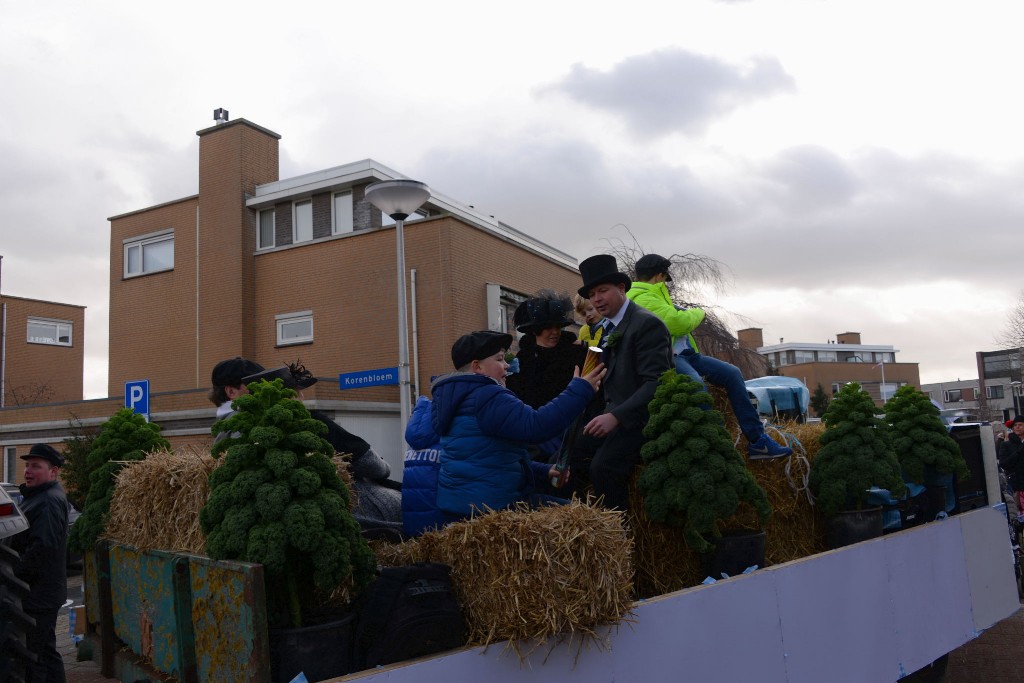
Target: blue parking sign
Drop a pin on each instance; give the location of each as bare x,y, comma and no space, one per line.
136,396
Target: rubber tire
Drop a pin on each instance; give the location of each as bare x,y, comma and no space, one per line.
14,656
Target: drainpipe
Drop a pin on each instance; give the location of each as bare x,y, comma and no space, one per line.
415,335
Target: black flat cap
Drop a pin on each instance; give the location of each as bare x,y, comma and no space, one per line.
46,452
478,345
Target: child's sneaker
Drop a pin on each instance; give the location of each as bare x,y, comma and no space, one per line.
765,448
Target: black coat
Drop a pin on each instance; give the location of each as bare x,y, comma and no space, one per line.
544,373
1011,459
43,546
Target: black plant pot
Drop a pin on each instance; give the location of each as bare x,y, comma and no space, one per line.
853,526
734,552
320,651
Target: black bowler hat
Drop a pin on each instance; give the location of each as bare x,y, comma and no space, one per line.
598,270
229,373
46,452
478,345
649,265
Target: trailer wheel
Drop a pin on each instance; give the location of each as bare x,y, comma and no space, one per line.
14,656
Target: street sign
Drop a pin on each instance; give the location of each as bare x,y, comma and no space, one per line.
136,396
368,378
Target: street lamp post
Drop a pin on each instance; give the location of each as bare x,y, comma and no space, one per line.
399,199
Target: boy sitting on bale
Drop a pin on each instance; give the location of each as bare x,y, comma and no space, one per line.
485,428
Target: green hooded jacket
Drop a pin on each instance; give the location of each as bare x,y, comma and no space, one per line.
655,298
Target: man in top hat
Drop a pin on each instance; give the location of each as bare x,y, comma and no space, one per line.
651,292
637,350
43,551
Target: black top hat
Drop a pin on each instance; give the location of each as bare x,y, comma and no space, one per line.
547,309
46,452
650,265
598,270
229,373
478,345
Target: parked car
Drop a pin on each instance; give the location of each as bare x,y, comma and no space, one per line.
12,490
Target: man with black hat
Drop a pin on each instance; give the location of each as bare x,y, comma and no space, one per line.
638,350
650,291
43,551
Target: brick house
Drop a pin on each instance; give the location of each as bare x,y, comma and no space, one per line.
302,268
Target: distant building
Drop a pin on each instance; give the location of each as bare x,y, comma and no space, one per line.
302,268
833,364
958,399
1000,383
41,358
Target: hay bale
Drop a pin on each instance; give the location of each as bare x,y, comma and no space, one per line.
156,501
556,572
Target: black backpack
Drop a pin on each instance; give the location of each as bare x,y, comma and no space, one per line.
408,612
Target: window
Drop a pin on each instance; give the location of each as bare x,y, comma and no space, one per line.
265,230
835,388
149,253
803,356
952,396
10,463
44,331
886,357
827,356
887,390
303,230
995,391
342,219
295,328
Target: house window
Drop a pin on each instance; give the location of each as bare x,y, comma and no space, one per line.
303,230
265,231
54,332
835,388
149,254
295,328
342,219
803,356
827,356
994,391
10,463
952,396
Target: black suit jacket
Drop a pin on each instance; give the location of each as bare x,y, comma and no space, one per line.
640,353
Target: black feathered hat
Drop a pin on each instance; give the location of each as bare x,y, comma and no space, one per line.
547,309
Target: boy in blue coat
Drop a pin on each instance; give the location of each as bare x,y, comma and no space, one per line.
485,428
419,479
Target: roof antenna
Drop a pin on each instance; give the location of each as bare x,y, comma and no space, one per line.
220,116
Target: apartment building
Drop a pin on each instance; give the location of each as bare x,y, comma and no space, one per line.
835,363
297,269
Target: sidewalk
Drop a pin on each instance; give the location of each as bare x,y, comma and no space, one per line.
76,672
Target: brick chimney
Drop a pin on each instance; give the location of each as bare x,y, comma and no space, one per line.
751,338
848,338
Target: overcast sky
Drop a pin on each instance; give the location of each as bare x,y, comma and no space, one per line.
856,164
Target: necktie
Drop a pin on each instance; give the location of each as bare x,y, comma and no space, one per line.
609,327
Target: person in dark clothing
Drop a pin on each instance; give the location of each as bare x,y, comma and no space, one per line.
43,548
1011,459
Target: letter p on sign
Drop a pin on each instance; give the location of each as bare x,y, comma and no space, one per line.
136,396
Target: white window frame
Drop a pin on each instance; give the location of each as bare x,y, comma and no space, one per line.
57,324
295,220
141,243
341,225
259,228
948,396
10,463
991,393
283,320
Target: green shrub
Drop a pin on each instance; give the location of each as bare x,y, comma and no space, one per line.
277,500
855,454
125,436
920,438
693,476
74,475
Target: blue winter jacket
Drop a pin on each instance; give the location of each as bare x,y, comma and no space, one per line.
419,480
484,431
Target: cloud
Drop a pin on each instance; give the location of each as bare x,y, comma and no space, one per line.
673,90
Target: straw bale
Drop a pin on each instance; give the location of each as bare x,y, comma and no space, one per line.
554,573
156,501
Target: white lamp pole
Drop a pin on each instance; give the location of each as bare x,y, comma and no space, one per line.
399,199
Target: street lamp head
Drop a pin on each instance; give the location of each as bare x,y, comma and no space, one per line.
398,198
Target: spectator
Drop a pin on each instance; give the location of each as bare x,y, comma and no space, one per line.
650,291
590,331
1011,459
43,550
